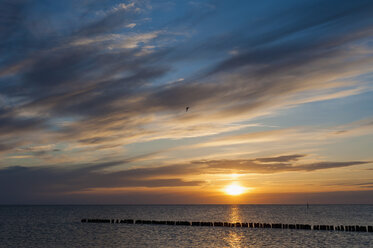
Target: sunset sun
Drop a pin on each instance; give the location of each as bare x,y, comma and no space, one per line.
234,189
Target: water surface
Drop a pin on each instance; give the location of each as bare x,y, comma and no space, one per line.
59,226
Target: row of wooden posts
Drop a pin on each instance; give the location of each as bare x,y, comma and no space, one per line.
348,228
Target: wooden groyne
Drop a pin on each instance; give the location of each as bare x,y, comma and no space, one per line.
343,228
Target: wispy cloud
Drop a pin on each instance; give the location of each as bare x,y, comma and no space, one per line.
90,84
90,79
253,166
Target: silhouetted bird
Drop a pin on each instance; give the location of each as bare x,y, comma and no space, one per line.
186,109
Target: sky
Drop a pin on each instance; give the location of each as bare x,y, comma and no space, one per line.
93,98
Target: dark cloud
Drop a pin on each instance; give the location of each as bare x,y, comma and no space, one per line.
19,182
7,146
272,166
328,165
285,158
13,128
364,184
10,123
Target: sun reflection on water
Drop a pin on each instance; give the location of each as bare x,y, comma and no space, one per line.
234,215
234,238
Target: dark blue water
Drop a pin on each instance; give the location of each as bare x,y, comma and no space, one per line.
59,226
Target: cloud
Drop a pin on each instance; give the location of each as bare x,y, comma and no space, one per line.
91,82
271,165
48,182
252,137
328,165
131,25
288,138
44,182
88,83
284,158
362,184
123,6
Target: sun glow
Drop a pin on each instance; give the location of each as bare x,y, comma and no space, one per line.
234,189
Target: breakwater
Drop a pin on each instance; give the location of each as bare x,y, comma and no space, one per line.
344,228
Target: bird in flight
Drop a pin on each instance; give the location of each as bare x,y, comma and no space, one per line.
186,109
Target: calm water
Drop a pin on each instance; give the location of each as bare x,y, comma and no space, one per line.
59,226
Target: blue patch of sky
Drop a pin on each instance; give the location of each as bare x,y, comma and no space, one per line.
324,113
350,148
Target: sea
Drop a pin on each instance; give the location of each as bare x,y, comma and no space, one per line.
60,226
